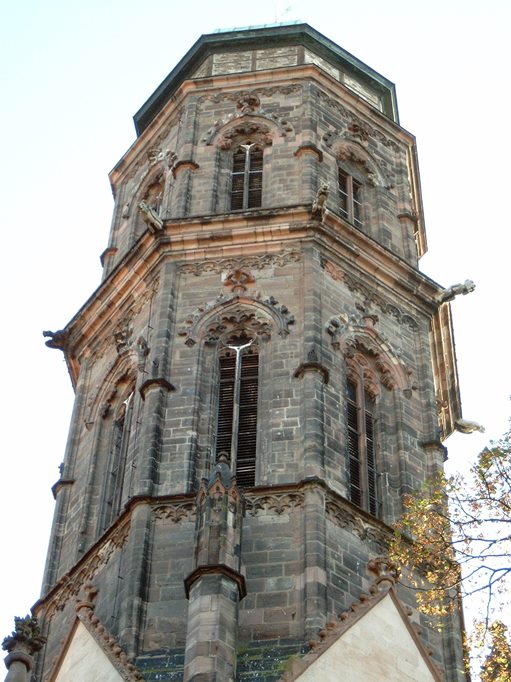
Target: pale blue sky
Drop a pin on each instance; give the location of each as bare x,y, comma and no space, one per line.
72,76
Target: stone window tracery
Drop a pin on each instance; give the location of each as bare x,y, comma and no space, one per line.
350,198
119,443
247,176
238,388
363,478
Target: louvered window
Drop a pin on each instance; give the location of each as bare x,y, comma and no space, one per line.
118,457
361,455
237,412
350,198
247,177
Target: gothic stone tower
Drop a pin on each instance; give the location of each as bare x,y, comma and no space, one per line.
261,376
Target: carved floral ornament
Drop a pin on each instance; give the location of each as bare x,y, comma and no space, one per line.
218,320
369,295
249,120
350,148
368,354
259,262
355,126
238,280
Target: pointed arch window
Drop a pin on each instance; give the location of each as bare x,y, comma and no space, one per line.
363,478
118,457
247,177
237,407
350,198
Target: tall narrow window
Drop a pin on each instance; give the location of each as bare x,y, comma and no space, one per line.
361,455
237,410
118,457
247,177
350,198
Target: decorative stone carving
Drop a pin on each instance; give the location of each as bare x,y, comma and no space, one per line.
218,97
156,155
57,339
344,517
26,634
24,641
238,280
451,292
352,120
266,260
235,312
383,569
369,296
359,131
348,154
278,503
363,347
250,129
85,611
248,103
142,352
150,218
176,512
465,426
70,584
319,204
222,327
122,336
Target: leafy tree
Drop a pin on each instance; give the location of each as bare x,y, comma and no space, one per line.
455,536
497,666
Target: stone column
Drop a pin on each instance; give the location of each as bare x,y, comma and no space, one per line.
216,585
24,641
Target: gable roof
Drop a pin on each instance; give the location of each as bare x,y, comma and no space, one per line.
374,640
90,652
259,37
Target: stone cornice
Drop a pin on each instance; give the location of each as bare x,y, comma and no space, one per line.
181,507
236,235
254,80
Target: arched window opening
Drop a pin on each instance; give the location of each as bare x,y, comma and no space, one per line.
118,458
247,177
350,198
237,407
154,194
363,489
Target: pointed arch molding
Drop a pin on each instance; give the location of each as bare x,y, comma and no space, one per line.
122,370
261,317
345,148
249,121
363,347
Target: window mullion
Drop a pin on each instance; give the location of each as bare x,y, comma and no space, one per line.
349,190
246,175
362,442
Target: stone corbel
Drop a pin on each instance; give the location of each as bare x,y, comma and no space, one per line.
158,382
309,149
184,164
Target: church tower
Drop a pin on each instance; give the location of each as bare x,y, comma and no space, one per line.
261,376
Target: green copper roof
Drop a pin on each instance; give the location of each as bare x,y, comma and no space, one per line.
260,37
